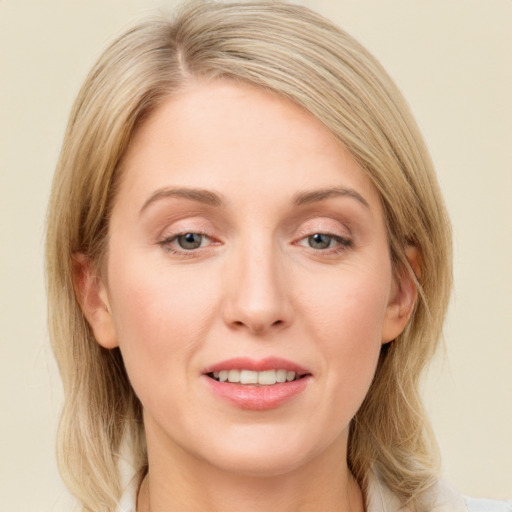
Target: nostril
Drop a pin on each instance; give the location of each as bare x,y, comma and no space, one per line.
258,326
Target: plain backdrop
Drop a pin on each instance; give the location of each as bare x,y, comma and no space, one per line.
453,61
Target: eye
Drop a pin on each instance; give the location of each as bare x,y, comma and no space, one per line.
185,242
322,241
190,241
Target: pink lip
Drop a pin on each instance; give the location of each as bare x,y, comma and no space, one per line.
269,363
252,397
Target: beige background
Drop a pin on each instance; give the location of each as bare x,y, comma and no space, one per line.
452,59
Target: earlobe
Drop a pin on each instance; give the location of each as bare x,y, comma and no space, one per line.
402,299
93,299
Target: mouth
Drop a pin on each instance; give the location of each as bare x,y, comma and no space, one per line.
256,378
257,385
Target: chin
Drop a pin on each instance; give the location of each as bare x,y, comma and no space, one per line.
270,455
260,465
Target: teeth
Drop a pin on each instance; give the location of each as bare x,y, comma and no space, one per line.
281,375
264,378
248,377
267,378
234,376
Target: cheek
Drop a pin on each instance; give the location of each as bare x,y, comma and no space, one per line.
161,320
354,342
348,316
349,307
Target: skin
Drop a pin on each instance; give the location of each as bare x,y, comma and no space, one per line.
257,286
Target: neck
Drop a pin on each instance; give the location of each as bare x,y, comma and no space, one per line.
181,483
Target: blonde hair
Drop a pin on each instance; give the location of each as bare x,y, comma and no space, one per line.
296,53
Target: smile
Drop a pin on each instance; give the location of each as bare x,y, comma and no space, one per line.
259,378
257,385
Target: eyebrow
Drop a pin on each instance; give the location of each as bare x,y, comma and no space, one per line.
199,195
305,198
213,199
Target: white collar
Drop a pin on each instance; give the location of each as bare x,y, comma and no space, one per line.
440,498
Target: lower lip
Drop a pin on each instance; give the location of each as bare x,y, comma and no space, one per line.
257,398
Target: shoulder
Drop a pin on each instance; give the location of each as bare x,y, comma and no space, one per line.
446,499
481,505
440,498
443,498
128,501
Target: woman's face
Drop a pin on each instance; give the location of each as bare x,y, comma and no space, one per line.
245,242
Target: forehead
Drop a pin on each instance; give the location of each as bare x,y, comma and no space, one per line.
236,138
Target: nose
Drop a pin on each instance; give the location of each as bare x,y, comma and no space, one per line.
257,292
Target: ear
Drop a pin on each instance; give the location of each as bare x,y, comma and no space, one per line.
93,299
402,298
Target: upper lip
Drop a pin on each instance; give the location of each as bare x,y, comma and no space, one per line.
257,365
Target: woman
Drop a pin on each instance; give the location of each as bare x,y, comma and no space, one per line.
248,268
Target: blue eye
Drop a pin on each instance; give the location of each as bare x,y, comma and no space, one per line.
320,241
190,241
323,241
185,242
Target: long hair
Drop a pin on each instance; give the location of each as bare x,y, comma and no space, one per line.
301,56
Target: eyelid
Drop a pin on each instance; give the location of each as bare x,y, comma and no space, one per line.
167,242
175,225
327,225
174,237
342,241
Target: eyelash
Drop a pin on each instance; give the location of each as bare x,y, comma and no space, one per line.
167,242
342,243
